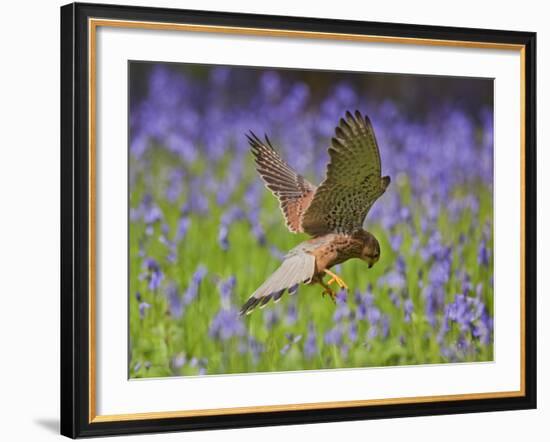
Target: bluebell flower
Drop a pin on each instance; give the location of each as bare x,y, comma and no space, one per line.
334,336
471,316
393,279
143,307
226,325
271,318
342,311
152,214
373,315
251,346
175,185
192,290
183,226
223,237
270,83
152,274
291,314
175,303
352,331
483,254
179,361
226,290
310,344
395,298
408,308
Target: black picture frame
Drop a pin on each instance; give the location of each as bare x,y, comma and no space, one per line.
75,219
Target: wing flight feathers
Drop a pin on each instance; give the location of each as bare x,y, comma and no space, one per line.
292,190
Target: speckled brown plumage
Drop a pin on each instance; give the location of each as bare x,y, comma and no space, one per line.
292,190
333,213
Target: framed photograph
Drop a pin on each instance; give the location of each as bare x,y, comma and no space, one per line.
279,220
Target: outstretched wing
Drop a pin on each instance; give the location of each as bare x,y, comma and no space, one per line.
292,190
297,267
353,181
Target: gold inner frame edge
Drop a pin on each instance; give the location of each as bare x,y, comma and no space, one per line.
93,24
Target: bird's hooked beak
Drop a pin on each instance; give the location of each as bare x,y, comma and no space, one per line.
371,260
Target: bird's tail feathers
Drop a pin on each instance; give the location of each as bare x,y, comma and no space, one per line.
294,270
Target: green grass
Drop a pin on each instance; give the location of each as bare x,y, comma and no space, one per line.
158,337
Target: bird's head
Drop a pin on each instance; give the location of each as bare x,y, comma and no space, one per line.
371,249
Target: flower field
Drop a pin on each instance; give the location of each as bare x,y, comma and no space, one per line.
205,232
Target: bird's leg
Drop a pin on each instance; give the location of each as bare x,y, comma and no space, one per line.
328,290
335,278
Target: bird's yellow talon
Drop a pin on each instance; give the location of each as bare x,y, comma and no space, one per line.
335,278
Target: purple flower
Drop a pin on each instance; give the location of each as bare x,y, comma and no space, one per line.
271,318
400,265
256,228
143,307
395,298
226,290
483,254
193,288
372,332
270,84
408,308
393,279
352,331
174,188
179,361
226,325
229,217
334,336
373,315
258,232
434,298
483,328
200,363
151,212
310,344
183,227
197,202
252,346
471,316
342,311
396,241
291,314
361,311
175,303
223,237
439,273
152,274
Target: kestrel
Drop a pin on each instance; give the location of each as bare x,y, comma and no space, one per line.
332,213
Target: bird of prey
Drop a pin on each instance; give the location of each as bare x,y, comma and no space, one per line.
332,214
